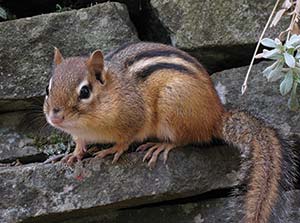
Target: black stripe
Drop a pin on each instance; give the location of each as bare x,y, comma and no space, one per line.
166,53
114,52
147,71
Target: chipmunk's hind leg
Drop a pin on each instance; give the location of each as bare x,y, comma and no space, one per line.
154,149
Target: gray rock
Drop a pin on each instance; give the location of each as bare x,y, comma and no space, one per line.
26,138
14,145
36,190
221,34
194,24
26,45
24,148
262,98
219,210
134,6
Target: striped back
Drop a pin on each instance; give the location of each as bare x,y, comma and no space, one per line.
144,59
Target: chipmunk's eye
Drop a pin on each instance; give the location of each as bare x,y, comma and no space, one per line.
84,92
47,90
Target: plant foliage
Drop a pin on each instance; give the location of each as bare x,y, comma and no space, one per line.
286,66
285,51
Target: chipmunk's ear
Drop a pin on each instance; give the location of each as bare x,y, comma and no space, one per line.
58,58
96,64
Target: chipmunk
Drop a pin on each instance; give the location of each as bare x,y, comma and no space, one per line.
146,90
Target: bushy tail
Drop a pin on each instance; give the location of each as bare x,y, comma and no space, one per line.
269,172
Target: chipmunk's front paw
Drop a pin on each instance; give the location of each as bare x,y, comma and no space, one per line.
154,149
78,153
72,158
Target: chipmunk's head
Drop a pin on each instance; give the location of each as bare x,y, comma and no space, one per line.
75,90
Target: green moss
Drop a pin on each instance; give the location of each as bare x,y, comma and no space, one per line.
55,143
60,8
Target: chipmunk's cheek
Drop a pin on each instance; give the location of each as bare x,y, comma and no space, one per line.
48,119
69,125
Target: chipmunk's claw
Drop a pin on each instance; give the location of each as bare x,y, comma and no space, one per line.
150,152
117,150
72,158
154,149
117,156
77,154
145,146
105,152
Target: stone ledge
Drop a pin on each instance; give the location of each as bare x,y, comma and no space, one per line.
215,210
37,189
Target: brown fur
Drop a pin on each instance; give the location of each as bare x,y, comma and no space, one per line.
246,132
174,106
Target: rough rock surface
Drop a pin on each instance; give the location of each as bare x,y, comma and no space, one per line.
220,210
193,24
25,137
37,7
38,189
221,34
194,186
14,145
262,98
25,59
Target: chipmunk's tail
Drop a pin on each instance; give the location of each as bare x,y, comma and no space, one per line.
271,164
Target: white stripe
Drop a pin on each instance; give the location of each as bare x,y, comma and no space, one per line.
50,84
141,64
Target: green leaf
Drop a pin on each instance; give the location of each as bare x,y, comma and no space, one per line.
293,102
297,55
268,70
3,13
278,42
268,42
271,54
287,83
294,40
289,46
275,74
289,59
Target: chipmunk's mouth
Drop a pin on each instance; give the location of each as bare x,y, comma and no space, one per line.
70,126
60,122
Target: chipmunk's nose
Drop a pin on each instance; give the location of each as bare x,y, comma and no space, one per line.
57,116
56,120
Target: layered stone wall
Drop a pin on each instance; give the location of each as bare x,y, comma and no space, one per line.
197,183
